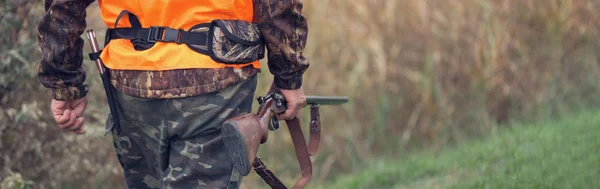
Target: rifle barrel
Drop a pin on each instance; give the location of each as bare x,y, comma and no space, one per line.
326,100
91,35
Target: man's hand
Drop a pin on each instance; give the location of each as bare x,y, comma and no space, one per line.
68,114
295,101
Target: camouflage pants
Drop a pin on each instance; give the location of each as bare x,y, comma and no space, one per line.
177,143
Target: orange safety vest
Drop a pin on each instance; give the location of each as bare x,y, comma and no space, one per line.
120,54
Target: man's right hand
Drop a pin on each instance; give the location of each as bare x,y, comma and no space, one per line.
68,114
295,101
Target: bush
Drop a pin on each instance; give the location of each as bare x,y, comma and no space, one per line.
34,152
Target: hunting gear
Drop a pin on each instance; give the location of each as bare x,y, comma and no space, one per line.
171,39
244,134
177,71
105,77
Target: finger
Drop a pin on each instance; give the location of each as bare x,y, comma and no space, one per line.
282,117
63,118
78,124
79,106
75,119
57,108
297,107
299,114
289,113
72,120
58,105
79,131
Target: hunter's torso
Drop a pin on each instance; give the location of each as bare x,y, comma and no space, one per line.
170,70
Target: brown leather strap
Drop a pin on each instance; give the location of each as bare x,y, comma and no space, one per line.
315,130
301,152
267,175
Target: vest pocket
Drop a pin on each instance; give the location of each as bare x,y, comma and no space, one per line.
235,42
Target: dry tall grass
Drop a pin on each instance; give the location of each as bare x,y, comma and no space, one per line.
420,74
428,72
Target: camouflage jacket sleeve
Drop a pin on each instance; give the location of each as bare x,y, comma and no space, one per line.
284,29
59,37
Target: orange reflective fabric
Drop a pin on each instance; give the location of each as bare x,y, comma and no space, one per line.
120,54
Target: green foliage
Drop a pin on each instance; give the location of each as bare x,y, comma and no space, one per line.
35,153
15,181
18,44
552,154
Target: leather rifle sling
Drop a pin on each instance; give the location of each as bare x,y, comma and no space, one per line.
315,130
302,155
267,175
301,152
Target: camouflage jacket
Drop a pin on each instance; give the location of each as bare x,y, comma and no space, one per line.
281,22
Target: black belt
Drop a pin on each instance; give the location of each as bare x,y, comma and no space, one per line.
154,33
159,34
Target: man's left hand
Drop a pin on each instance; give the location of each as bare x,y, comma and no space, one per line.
68,114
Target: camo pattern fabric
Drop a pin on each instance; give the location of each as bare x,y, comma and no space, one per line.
61,47
281,24
177,83
285,30
177,143
227,46
199,48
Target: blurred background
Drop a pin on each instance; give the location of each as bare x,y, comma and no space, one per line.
443,94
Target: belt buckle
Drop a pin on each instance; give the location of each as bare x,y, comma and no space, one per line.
154,34
171,35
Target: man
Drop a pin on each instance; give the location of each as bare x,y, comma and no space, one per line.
171,101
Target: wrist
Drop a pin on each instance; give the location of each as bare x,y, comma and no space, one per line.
69,93
291,83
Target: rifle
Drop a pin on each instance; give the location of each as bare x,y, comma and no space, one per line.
104,74
243,135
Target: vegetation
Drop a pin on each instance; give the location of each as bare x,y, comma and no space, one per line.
553,154
420,74
33,152
424,74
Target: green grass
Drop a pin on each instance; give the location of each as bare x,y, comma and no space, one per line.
556,154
